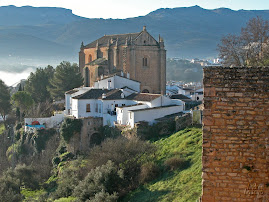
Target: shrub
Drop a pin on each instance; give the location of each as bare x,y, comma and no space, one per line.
10,188
55,161
27,176
119,150
41,137
69,128
149,171
176,163
67,182
106,178
104,196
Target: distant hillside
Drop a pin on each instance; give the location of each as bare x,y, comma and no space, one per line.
30,32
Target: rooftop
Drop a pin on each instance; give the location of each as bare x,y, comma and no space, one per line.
153,108
147,97
114,94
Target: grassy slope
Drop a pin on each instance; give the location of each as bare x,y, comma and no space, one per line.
179,185
2,128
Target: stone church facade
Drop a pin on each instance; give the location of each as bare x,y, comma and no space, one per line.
137,56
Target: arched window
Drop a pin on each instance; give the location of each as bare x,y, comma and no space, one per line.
90,58
145,91
145,62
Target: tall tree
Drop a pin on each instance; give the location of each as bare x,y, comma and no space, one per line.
23,100
66,77
38,82
250,48
5,106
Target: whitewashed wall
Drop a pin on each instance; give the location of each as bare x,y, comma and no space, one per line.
151,114
117,82
49,122
122,113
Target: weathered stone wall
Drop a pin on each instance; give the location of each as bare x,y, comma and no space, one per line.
162,128
236,134
84,140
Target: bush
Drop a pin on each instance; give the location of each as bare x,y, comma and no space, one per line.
104,196
10,188
67,182
106,178
69,128
149,171
41,138
55,161
119,150
176,163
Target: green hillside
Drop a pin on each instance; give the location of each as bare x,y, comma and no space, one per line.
180,184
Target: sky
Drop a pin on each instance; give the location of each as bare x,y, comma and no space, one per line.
134,8
124,9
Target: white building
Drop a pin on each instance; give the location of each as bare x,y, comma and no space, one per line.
192,93
116,99
117,82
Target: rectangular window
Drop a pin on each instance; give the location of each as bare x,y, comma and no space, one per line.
145,62
88,108
100,108
130,115
96,108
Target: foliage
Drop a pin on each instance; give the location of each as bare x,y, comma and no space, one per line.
104,196
38,82
112,149
68,181
12,180
106,178
32,195
69,127
68,199
66,77
181,184
41,137
27,176
250,48
5,106
10,188
174,163
149,171
2,128
23,100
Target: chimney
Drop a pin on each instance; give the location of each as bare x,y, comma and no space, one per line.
122,95
128,75
121,73
103,96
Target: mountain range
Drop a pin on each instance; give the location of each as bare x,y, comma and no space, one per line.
50,34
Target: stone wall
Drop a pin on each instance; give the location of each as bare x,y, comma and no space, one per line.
165,126
236,134
84,140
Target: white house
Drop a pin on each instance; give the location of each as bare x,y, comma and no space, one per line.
151,114
117,82
116,99
192,93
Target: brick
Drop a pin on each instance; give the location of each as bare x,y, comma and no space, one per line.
238,132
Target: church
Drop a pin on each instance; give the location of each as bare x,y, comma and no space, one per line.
136,56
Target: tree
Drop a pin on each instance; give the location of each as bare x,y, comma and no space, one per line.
66,77
37,84
5,106
250,48
23,100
